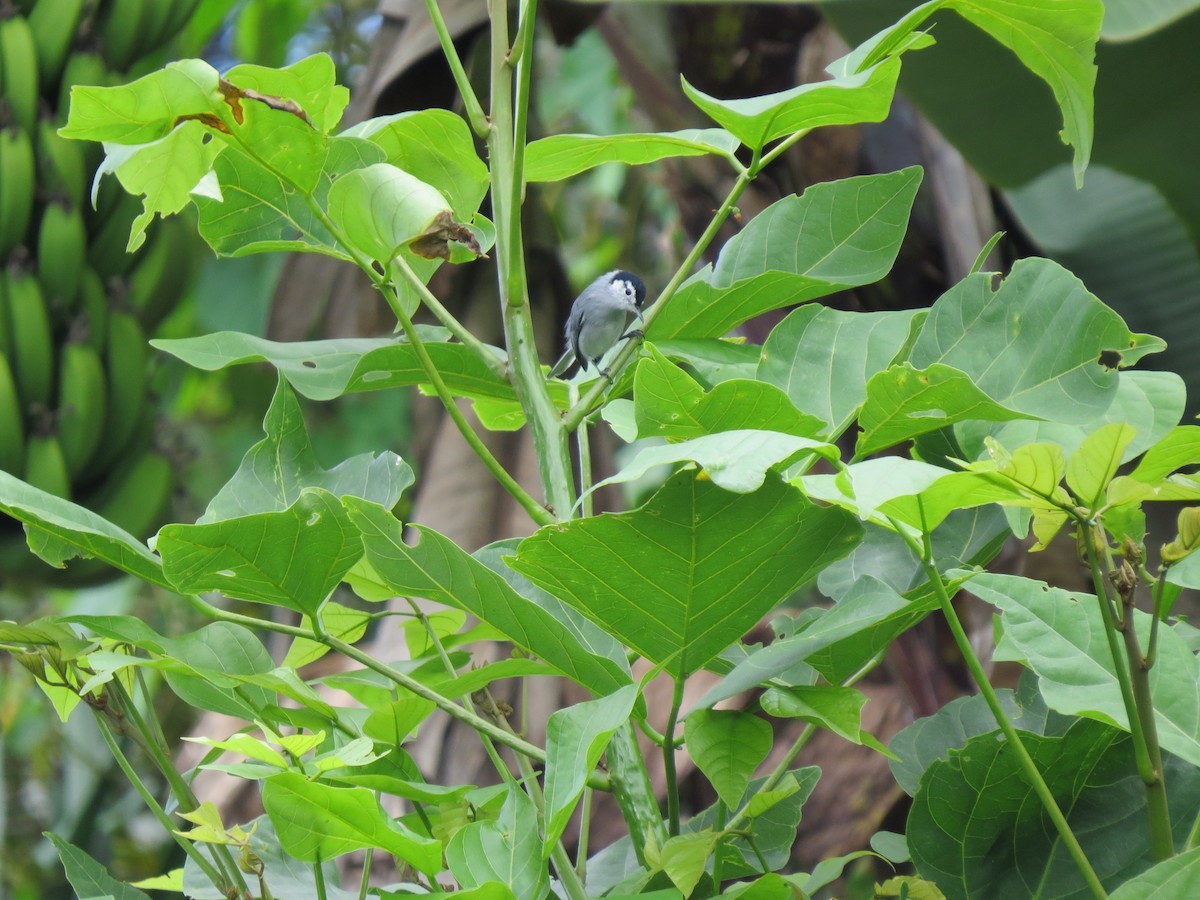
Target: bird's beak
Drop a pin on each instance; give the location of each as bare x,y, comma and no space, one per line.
637,312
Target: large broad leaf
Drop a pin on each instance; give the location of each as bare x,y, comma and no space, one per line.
436,146
310,83
903,403
382,208
575,740
824,357
91,880
976,827
1039,344
1060,635
670,403
839,234
681,578
507,850
438,569
1176,877
563,155
64,530
255,210
1056,42
316,822
323,370
294,558
734,460
848,99
869,604
278,468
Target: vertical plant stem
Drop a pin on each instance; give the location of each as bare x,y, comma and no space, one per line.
585,826
633,791
365,882
506,152
669,745
475,113
219,880
584,444
319,877
924,552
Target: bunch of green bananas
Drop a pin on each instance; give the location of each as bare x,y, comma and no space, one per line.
75,308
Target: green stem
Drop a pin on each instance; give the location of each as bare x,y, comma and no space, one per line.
487,355
597,780
585,826
319,877
475,113
633,792
583,442
924,552
581,410
506,154
218,880
162,761
537,511
668,749
1193,838
1159,599
1141,753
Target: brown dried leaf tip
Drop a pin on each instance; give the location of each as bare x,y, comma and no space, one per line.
433,242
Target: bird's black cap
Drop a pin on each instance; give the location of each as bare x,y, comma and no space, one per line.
639,286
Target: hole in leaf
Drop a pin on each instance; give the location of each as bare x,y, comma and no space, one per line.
1110,359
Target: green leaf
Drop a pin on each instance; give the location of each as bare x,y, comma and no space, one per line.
146,109
727,746
823,357
1056,43
870,603
838,235
77,531
670,403
1093,465
507,850
1001,339
382,208
1175,877
317,822
254,210
561,156
396,721
324,370
977,827
436,146
1060,635
662,578
736,461
903,402
165,171
275,471
831,706
1178,448
220,649
843,100
436,568
576,737
931,738
294,558
91,880
684,856
310,83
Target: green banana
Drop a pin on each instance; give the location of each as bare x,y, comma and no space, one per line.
12,428
17,176
32,347
126,358
61,253
81,407
136,496
45,467
62,165
54,23
91,322
181,12
121,30
19,70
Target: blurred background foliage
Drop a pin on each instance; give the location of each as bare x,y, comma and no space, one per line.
983,128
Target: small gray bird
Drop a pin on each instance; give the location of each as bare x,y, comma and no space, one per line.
598,318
